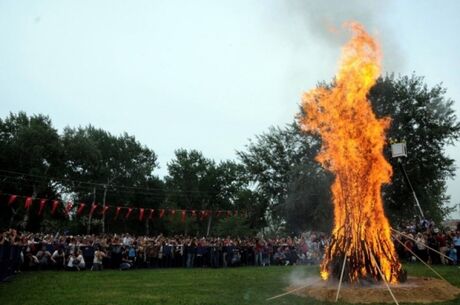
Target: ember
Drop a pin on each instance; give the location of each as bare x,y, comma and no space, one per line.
352,149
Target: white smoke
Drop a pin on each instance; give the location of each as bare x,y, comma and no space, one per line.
324,21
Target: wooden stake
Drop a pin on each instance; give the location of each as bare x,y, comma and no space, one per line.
414,240
341,276
286,293
429,267
384,279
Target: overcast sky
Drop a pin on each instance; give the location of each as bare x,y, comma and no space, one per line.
206,75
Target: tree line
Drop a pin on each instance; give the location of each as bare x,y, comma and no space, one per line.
275,179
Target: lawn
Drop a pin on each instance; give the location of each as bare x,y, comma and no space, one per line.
231,286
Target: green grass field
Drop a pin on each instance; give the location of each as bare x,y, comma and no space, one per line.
231,286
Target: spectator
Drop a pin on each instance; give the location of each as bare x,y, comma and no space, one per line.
58,258
97,261
44,257
456,242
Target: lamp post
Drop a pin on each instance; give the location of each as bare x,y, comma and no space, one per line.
399,150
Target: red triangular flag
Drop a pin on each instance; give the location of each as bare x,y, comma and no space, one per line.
184,215
202,214
117,212
42,206
141,214
128,213
151,213
81,206
12,199
54,206
104,209
28,202
68,207
173,212
162,213
93,208
193,213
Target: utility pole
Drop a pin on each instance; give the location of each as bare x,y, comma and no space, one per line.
103,208
109,180
88,229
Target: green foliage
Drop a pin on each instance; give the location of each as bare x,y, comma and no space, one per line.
276,181
28,145
423,117
233,226
295,188
195,182
280,163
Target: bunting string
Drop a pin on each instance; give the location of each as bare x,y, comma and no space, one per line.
79,209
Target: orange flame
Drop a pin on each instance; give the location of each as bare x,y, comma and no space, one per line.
352,145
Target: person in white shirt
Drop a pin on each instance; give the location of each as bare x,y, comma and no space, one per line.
97,262
76,262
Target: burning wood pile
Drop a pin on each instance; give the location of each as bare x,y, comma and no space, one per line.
353,138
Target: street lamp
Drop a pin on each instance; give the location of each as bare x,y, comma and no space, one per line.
399,150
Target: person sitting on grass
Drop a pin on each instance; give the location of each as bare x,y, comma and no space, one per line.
44,257
126,263
76,262
58,259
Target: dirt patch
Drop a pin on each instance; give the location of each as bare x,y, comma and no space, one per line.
415,290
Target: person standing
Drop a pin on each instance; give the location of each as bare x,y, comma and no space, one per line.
456,242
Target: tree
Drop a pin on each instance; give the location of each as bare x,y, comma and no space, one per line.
281,165
281,162
31,153
105,164
197,183
424,118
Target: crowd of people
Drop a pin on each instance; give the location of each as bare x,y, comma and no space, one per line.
428,242
27,251
21,251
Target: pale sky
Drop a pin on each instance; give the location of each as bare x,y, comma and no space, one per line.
206,75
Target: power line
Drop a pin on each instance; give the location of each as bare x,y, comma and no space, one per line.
135,189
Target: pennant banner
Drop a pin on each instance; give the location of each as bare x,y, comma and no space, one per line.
12,199
104,210
81,207
42,206
54,206
128,213
117,212
67,208
141,214
93,208
28,203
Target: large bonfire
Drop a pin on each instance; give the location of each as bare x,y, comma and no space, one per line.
352,149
